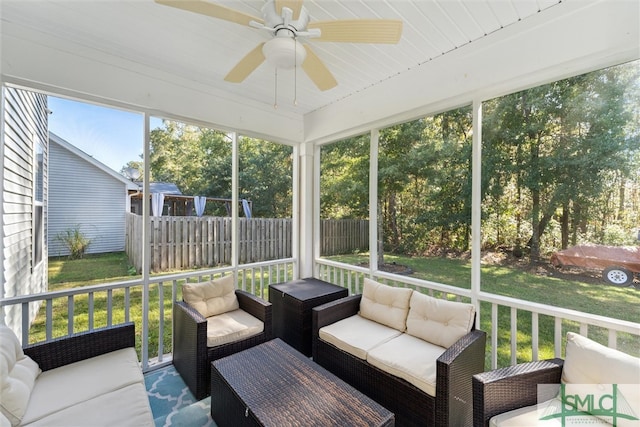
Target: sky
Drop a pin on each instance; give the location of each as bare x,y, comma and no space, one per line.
112,136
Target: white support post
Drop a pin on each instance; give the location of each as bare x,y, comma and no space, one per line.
146,243
373,200
295,214
476,206
308,215
235,209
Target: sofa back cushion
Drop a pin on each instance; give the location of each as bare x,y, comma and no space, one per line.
17,377
593,368
385,304
439,321
212,298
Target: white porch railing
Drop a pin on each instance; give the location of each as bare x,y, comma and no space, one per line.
96,306
614,333
91,307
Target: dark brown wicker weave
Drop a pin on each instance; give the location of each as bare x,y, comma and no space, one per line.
274,385
292,303
191,356
452,405
513,387
80,346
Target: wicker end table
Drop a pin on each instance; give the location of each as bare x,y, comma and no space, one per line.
292,303
272,384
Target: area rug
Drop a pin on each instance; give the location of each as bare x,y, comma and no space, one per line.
172,404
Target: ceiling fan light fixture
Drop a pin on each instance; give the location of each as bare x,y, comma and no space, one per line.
284,52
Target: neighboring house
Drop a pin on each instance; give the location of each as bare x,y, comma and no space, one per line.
86,194
23,126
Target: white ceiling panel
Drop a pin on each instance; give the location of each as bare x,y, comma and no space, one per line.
200,50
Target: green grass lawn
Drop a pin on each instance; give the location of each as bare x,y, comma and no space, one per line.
595,298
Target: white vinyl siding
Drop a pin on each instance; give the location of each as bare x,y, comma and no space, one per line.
84,195
24,125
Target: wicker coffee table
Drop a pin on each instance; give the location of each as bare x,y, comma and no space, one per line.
272,384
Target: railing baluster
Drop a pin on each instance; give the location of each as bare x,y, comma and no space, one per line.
613,339
514,335
25,322
49,321
557,337
109,307
494,336
91,309
70,315
534,336
127,302
584,329
161,321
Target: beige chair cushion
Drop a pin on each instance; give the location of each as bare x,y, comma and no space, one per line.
409,358
17,377
212,298
77,382
232,326
385,304
529,416
439,321
128,406
357,335
594,368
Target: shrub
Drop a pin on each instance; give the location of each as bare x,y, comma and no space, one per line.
75,241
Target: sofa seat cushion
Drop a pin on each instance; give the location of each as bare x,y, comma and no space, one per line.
78,382
439,321
232,326
357,335
128,406
530,416
409,358
212,298
385,304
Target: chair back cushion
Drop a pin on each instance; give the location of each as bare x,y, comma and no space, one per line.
438,321
385,304
18,373
212,298
593,368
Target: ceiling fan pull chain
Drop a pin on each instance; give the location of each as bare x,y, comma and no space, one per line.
275,95
295,72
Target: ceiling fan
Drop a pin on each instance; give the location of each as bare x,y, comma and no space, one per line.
287,21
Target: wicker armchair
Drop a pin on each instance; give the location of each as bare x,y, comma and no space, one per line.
191,356
505,389
412,407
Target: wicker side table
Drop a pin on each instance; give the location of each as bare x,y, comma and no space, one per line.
292,303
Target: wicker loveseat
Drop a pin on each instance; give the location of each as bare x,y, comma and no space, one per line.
242,320
511,397
86,379
421,382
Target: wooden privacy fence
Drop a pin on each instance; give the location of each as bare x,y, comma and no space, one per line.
343,236
183,242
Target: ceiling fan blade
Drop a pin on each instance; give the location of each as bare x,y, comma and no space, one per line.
359,30
317,71
246,66
211,9
294,5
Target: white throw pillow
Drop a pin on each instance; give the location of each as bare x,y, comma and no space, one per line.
592,368
17,377
439,321
212,298
385,304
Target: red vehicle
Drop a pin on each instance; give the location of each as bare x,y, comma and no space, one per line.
619,264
